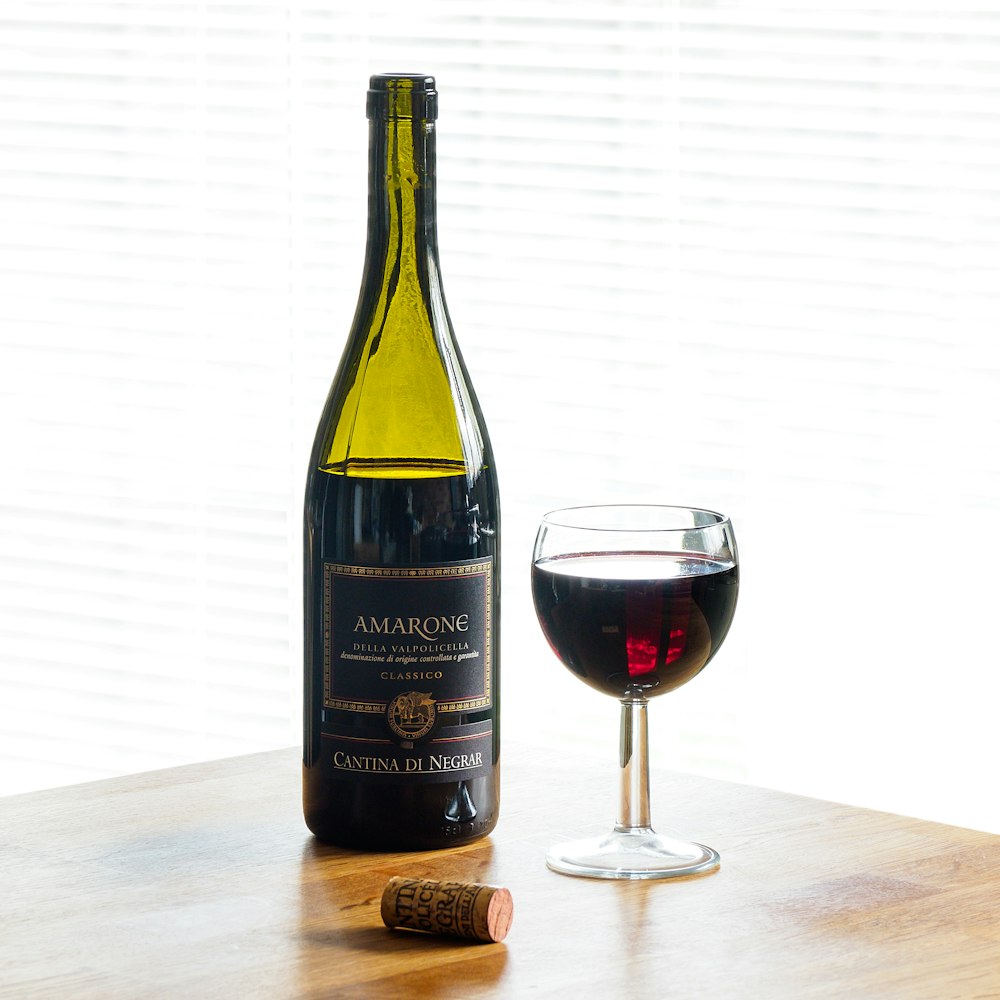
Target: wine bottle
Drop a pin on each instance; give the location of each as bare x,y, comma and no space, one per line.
402,557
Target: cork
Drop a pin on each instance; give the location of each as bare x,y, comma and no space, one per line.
459,909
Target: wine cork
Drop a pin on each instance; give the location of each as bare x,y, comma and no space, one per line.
459,909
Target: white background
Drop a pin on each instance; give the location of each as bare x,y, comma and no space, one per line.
694,254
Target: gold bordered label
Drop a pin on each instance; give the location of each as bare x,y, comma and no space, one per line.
407,654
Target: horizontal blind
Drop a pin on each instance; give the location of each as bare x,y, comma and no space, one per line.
695,254
146,587
840,254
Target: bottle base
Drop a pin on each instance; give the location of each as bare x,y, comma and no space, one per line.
399,817
352,841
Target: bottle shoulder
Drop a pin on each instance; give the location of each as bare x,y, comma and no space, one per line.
403,394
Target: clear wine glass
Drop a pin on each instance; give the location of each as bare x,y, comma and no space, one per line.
634,600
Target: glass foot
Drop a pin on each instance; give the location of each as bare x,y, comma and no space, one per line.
640,853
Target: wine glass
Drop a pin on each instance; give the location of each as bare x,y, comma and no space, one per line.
634,600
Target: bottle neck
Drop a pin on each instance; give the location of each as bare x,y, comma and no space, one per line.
402,199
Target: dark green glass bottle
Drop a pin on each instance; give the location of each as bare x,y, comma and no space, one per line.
402,522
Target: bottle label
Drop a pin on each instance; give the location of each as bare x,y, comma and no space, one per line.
407,655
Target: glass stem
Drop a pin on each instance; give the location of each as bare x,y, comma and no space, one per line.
633,798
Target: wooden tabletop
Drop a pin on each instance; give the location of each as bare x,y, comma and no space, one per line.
203,882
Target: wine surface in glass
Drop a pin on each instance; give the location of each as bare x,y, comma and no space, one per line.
634,621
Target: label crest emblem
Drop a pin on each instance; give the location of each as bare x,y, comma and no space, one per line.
411,715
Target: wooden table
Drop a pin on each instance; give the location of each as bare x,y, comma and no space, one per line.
203,882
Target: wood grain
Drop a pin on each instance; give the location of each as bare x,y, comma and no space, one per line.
202,881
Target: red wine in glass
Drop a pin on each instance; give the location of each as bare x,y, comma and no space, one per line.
625,621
